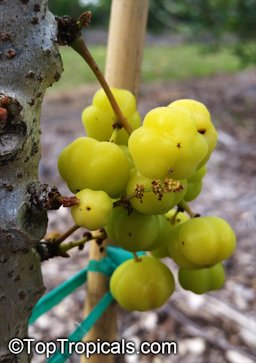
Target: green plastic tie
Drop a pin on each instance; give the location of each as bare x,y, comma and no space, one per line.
83,328
115,256
106,266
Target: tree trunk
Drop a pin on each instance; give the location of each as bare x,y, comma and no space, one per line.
29,63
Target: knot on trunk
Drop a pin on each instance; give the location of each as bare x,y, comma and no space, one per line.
44,196
12,129
69,28
47,197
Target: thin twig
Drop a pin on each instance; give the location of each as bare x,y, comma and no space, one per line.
65,247
66,234
80,47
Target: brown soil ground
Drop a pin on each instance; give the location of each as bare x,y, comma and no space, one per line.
214,328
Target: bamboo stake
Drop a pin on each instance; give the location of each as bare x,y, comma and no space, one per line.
105,328
125,50
125,43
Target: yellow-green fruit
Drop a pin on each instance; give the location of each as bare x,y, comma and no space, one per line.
72,162
124,98
108,169
175,253
110,226
202,280
174,218
99,117
167,144
142,285
203,122
160,252
170,121
165,226
135,231
171,238
199,174
93,210
151,202
193,190
168,237
89,164
206,241
128,156
195,184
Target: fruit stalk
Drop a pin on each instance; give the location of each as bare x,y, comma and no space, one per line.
184,206
80,47
136,257
72,244
66,234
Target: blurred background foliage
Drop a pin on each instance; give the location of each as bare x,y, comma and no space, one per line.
211,21
214,36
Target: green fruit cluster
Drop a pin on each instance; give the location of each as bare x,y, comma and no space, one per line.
137,186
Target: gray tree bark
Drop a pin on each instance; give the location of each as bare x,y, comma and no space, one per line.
29,63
